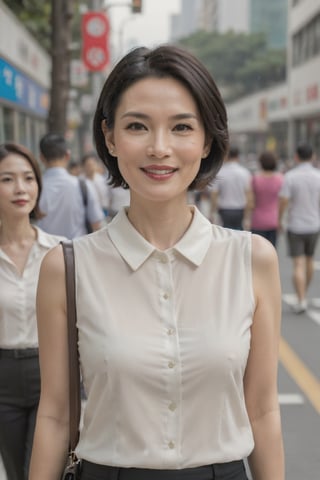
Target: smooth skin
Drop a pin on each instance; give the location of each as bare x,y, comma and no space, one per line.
18,196
159,141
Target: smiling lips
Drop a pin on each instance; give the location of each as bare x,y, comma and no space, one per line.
157,172
20,202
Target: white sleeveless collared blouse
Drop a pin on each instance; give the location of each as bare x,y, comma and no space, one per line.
164,338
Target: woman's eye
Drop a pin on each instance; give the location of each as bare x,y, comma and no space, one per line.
6,179
30,178
182,127
136,126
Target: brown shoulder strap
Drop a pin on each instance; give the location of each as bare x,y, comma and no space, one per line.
74,370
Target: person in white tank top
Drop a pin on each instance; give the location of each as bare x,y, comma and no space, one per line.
178,319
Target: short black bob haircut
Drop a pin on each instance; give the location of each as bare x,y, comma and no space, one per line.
165,61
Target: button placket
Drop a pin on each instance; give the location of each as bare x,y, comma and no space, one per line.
172,361
172,354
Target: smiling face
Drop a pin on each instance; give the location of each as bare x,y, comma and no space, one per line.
158,139
18,187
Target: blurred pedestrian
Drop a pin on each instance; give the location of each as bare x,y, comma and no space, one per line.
22,247
91,170
231,192
300,193
266,185
119,197
74,167
202,200
65,210
178,319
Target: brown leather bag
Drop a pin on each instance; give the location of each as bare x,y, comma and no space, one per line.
72,468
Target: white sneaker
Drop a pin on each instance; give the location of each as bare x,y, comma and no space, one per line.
300,307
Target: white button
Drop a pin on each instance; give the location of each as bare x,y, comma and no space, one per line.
163,259
170,331
171,364
171,445
172,406
166,296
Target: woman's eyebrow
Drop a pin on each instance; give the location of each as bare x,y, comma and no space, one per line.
178,116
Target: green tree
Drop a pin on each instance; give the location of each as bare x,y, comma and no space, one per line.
240,63
35,15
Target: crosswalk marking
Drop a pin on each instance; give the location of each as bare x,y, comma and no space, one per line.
314,315
302,376
313,309
290,399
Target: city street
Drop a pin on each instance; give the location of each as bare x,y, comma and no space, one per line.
299,377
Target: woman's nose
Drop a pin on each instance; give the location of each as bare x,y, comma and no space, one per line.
20,185
159,146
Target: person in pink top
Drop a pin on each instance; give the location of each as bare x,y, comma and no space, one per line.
266,186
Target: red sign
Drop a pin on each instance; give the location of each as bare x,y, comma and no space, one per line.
95,36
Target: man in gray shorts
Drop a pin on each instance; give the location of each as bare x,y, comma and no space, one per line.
300,193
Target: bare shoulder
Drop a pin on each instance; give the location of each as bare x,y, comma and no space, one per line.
52,274
53,262
263,252
265,266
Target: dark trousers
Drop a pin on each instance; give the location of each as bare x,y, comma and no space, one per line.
19,398
220,471
232,217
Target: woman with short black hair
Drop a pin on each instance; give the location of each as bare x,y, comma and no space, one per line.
178,319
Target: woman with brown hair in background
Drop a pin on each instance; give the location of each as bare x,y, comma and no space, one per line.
22,247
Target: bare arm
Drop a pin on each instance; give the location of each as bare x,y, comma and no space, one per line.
250,200
283,204
267,459
52,428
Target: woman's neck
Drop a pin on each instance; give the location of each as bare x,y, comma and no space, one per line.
13,232
161,225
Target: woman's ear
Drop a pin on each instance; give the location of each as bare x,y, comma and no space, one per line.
206,149
108,136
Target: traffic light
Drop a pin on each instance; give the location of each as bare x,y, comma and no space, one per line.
136,6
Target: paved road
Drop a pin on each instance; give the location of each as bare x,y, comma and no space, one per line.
299,378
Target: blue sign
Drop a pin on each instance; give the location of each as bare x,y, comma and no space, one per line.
18,88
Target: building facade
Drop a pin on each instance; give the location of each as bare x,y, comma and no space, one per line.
185,23
284,115
24,83
270,17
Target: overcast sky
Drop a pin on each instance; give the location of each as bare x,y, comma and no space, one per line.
149,28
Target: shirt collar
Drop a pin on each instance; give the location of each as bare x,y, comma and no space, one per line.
135,249
43,238
306,164
55,172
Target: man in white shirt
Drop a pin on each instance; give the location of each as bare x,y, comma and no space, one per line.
61,200
231,191
300,193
